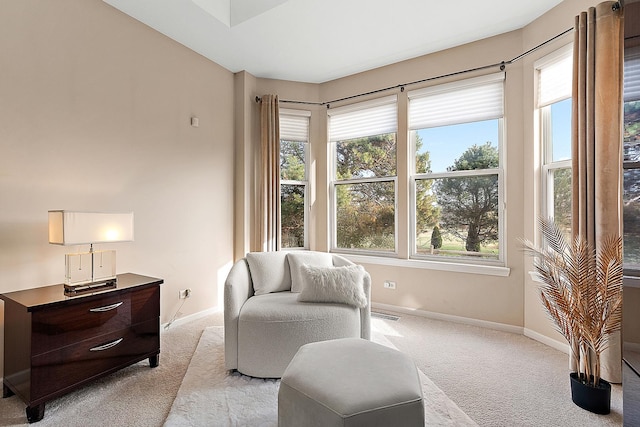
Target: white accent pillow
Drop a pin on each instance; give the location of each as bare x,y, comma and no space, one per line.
334,284
269,272
298,259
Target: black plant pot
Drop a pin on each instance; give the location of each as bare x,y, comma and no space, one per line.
593,399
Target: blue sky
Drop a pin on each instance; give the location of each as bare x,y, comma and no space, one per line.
446,144
561,128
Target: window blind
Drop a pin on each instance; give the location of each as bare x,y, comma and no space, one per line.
363,119
632,74
471,100
555,80
294,127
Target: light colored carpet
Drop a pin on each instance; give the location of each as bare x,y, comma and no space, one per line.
497,378
135,396
211,396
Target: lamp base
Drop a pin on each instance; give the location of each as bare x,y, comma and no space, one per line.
91,267
74,290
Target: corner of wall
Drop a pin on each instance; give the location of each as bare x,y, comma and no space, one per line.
551,24
245,130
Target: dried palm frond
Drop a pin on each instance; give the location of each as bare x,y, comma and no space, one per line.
581,291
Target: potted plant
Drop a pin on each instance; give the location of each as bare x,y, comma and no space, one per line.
581,291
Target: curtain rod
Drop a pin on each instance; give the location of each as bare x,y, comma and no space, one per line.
502,66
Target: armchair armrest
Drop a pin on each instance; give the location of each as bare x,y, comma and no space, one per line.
237,290
365,313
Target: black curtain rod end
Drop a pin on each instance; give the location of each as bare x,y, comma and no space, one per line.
258,99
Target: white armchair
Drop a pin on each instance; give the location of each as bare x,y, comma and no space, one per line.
265,322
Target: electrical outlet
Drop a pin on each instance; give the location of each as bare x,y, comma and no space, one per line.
185,293
388,284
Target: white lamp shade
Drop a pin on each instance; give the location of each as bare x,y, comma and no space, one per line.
81,228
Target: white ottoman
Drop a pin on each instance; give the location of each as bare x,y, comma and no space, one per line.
350,382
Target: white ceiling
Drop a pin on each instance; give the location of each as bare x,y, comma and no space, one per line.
320,40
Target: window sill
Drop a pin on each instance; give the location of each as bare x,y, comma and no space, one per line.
627,281
488,270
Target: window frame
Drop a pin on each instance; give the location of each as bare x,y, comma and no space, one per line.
631,93
499,171
545,141
334,182
548,167
305,183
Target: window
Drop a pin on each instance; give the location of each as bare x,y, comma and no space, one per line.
363,138
631,159
294,199
456,131
555,73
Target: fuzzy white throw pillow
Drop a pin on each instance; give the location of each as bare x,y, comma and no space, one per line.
334,284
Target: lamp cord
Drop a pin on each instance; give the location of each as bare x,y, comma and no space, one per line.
173,319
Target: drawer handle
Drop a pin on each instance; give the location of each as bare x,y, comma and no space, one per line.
106,307
107,346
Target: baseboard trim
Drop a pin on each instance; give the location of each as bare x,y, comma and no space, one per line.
547,341
190,318
449,318
563,347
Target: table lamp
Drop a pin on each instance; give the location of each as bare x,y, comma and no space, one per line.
93,270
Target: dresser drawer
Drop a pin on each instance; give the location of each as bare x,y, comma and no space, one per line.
78,363
61,326
55,343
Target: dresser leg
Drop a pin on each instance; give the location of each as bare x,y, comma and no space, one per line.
6,391
154,361
35,413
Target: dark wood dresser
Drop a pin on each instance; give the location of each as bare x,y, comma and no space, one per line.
54,343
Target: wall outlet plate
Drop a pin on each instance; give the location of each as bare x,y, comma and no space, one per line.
184,293
388,284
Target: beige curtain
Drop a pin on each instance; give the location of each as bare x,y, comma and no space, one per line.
597,137
269,174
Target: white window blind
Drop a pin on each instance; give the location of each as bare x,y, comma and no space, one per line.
555,80
294,127
470,100
632,74
363,119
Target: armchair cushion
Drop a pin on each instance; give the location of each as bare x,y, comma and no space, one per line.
334,285
298,259
269,272
273,326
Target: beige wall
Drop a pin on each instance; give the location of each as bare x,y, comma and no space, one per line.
555,22
512,300
247,125
246,134
95,115
488,298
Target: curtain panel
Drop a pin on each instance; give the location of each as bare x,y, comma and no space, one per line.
597,138
269,174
